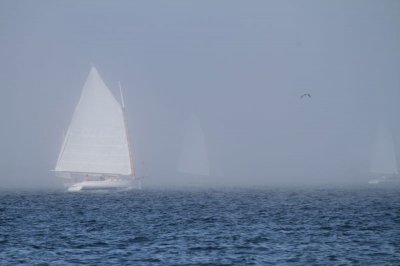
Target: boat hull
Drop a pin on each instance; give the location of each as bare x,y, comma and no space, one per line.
113,184
389,180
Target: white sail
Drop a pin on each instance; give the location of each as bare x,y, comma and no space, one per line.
96,140
194,158
384,155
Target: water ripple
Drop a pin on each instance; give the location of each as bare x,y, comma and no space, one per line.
210,227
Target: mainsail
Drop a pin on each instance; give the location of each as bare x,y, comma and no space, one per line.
194,158
384,155
96,141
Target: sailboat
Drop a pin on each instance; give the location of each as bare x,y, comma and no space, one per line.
384,163
193,158
96,151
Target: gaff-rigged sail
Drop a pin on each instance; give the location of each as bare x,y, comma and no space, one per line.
96,141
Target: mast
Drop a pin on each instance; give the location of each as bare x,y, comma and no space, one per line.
122,96
126,130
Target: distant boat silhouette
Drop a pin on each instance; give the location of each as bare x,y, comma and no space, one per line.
383,160
305,95
194,155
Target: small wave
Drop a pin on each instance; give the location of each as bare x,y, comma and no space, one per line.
138,239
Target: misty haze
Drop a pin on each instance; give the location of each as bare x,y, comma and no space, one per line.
239,68
204,94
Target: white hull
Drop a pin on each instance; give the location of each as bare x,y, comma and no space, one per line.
392,180
374,181
111,184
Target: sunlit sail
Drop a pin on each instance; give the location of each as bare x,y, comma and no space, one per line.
96,145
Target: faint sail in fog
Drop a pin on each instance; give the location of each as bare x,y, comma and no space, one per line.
384,155
193,158
383,162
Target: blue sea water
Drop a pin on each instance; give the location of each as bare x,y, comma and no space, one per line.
202,227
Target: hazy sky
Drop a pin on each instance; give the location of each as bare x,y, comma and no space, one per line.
239,66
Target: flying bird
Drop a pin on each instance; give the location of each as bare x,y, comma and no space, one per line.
305,95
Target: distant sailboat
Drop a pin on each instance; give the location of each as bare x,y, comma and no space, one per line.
96,150
384,163
193,158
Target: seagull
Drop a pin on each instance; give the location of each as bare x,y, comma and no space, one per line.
305,95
